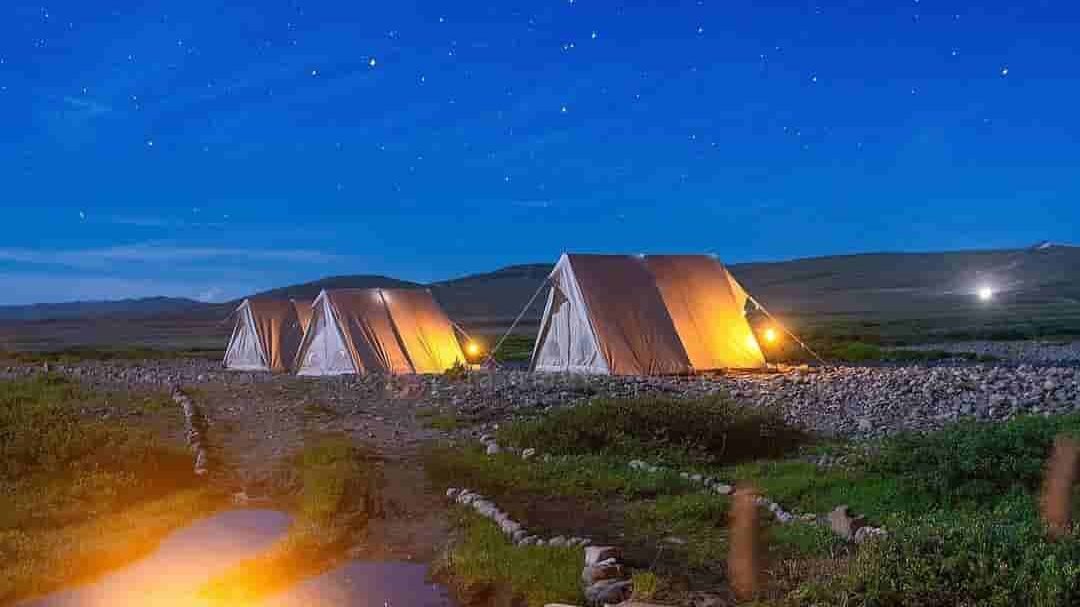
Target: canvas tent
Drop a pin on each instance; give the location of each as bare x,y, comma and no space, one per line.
266,336
649,315
303,313
377,331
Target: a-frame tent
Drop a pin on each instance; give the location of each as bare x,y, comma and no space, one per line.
393,331
265,337
303,313
648,315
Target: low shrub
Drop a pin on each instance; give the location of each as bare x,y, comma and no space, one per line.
997,558
706,431
973,461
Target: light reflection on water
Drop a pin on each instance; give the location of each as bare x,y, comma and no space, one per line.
188,558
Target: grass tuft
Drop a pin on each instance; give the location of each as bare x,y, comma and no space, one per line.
692,431
481,562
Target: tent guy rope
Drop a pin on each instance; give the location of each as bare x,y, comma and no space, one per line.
513,325
785,330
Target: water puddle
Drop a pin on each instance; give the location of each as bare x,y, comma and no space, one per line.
359,584
188,558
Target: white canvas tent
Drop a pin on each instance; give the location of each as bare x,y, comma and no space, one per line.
377,331
659,314
266,336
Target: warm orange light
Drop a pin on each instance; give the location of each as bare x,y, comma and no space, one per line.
771,335
472,349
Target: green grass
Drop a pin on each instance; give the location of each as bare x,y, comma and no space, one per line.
481,561
706,431
573,476
80,496
960,504
696,522
862,352
516,348
338,494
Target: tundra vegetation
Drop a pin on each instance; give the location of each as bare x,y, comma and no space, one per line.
960,506
81,492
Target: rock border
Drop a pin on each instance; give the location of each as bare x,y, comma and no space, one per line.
196,429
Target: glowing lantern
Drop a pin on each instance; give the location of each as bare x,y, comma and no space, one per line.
473,352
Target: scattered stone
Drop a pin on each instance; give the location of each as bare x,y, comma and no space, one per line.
865,534
608,592
594,573
596,554
843,524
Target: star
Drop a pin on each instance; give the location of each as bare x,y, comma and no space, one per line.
82,215
314,72
813,78
563,109
149,143
371,62
1005,71
593,35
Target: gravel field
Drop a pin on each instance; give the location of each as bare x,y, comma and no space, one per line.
848,401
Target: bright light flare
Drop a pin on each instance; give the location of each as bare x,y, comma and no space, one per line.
985,293
771,335
472,348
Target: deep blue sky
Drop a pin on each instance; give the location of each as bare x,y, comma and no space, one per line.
208,149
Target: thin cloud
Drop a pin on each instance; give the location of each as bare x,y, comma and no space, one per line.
88,107
157,254
22,289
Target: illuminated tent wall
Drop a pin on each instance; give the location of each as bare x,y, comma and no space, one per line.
303,312
658,314
377,331
266,336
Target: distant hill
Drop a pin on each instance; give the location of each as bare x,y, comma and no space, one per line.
910,294
149,306
494,299
311,290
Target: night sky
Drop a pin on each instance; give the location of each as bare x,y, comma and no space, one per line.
210,149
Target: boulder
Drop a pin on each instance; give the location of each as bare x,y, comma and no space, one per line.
596,554
843,524
608,592
594,573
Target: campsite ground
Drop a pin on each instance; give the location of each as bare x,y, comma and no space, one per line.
421,435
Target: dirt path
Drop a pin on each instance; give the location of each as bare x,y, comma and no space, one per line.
257,429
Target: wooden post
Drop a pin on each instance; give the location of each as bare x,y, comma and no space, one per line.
744,551
1057,488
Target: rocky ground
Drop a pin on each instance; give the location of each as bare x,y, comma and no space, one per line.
265,415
